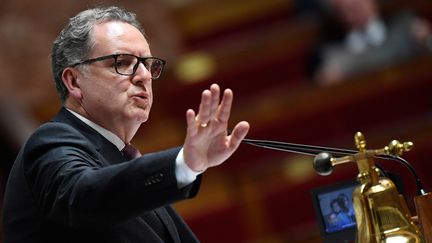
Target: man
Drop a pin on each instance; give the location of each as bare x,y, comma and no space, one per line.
367,40
71,181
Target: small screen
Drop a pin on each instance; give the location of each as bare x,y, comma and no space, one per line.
335,211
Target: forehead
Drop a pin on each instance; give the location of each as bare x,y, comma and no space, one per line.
118,37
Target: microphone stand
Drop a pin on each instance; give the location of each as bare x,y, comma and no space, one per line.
423,199
337,152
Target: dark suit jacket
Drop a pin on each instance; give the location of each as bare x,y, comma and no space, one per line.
70,184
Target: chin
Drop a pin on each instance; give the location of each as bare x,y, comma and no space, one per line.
144,120
141,117
138,114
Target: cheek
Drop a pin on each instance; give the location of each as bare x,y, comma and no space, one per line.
108,98
117,92
151,98
123,85
150,90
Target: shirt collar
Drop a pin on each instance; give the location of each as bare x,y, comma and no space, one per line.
110,136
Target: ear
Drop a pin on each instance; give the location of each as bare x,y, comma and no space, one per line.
70,80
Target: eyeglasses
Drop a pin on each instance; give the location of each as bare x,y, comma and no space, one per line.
127,64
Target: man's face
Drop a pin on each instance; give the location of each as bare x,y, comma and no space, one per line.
335,207
110,99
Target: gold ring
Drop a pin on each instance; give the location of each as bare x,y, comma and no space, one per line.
201,124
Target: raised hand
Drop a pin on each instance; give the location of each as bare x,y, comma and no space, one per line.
207,143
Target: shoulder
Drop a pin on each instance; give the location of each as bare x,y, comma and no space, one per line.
401,21
54,139
56,132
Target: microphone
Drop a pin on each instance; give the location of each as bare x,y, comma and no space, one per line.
371,206
322,162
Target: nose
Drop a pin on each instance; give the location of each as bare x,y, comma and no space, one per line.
142,74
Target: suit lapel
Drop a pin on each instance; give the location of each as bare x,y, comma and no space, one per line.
107,149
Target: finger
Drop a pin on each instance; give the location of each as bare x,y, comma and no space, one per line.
215,98
204,109
191,123
238,134
225,106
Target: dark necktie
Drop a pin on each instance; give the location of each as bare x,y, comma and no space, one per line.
130,152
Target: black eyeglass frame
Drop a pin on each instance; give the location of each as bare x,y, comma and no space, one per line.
115,56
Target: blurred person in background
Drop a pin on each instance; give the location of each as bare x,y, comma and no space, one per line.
78,178
362,39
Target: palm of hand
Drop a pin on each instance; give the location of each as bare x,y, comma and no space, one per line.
207,143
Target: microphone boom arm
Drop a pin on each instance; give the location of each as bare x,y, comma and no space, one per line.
313,150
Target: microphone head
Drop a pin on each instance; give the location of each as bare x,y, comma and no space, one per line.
322,164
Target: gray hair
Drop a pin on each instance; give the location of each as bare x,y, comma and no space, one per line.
74,42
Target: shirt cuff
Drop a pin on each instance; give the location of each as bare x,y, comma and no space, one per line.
184,174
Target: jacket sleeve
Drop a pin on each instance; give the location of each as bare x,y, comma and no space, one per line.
73,184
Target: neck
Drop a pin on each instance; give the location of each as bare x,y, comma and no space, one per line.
125,132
